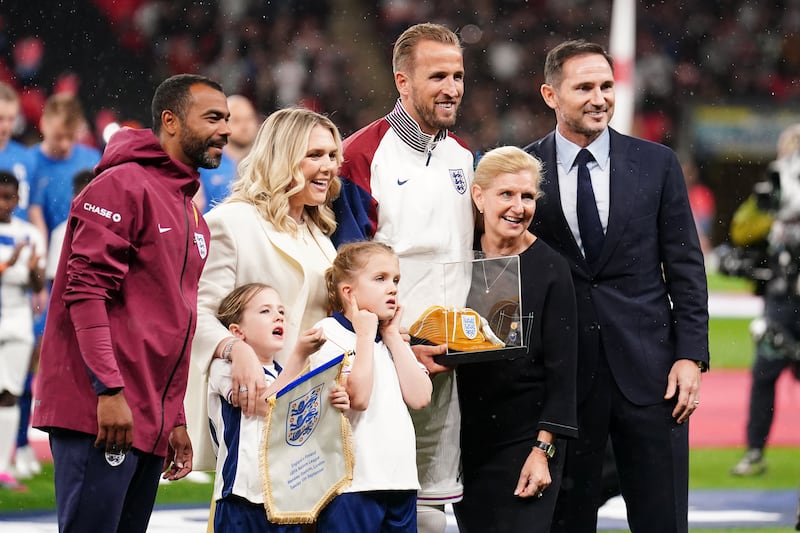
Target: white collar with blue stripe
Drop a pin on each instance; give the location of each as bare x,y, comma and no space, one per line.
345,322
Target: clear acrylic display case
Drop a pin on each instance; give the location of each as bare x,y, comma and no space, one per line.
473,305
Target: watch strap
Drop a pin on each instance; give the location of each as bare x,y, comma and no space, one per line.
548,448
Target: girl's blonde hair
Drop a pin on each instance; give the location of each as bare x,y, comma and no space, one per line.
232,306
270,174
350,258
504,160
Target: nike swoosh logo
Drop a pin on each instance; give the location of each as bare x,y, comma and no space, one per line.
401,182
163,230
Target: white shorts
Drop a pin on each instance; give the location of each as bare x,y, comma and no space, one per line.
15,361
438,429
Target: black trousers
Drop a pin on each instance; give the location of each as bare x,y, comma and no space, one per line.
770,362
652,455
92,495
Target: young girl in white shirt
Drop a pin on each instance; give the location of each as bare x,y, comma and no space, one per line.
254,314
383,380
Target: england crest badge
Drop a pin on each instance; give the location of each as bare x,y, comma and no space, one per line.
469,325
459,180
303,417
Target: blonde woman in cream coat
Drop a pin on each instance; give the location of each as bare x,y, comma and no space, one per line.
273,229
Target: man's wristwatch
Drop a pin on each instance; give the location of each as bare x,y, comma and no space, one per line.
548,448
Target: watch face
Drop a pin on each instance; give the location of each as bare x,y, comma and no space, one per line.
548,448
550,451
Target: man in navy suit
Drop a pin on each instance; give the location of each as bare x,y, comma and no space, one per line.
642,297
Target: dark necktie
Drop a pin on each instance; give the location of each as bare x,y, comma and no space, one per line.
589,224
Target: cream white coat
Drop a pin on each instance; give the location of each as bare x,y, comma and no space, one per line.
245,248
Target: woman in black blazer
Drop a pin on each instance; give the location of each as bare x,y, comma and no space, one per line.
515,413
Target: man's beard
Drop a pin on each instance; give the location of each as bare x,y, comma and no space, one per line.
196,149
578,126
430,118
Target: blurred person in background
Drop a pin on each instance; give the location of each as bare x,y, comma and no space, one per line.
56,160
14,156
21,271
777,332
702,202
216,182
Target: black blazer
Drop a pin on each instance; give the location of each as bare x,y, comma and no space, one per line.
646,298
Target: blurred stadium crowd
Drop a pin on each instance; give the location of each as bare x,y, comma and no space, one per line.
333,55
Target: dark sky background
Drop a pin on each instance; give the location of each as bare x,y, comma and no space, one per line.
78,39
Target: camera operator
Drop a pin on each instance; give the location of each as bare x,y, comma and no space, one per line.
777,333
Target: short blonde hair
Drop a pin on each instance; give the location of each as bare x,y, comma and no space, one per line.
64,106
7,93
407,43
504,160
507,160
270,174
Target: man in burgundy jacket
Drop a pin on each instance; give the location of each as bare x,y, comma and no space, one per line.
115,352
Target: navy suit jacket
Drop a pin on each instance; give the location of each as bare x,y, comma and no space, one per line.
646,299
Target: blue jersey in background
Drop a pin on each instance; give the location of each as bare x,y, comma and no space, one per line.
17,159
52,181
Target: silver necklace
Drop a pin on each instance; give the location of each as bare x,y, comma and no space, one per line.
486,281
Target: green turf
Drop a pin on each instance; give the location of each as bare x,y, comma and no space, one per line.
41,494
730,343
709,469
183,492
719,283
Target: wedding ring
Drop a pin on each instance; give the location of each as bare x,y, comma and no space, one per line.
242,390
696,402
539,494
